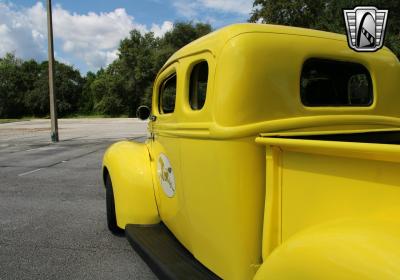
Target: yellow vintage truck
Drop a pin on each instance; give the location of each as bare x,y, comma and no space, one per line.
272,154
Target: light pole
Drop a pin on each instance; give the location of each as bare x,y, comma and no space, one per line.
53,98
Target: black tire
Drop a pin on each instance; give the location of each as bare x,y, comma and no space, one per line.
110,205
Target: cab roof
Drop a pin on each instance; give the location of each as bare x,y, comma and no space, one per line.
214,41
257,89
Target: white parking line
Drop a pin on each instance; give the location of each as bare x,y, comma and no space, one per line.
46,148
30,172
31,150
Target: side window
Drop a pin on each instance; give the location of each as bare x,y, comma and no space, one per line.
167,95
198,85
335,83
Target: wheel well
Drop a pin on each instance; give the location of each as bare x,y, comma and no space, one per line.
105,175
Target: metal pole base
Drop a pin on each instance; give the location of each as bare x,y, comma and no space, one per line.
54,137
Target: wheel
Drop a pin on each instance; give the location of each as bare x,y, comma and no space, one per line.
110,204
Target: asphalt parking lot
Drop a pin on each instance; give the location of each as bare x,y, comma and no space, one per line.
52,202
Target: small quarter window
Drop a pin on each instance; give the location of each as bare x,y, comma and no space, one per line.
167,95
335,83
198,85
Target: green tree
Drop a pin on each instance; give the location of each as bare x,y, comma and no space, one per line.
127,82
182,34
69,85
136,66
108,91
12,87
325,15
119,89
37,97
68,89
86,102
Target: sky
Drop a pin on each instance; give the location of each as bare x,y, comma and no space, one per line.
87,33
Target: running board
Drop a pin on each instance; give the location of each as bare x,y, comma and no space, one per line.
163,253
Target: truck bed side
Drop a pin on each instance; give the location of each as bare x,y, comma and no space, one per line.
311,182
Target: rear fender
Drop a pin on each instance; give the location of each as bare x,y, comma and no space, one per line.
352,249
128,165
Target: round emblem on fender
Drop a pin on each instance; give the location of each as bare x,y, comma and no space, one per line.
166,175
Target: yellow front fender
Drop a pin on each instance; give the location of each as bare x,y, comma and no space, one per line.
128,165
352,249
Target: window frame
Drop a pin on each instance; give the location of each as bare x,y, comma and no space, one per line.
189,92
371,93
160,88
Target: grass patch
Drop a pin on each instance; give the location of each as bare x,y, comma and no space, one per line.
92,116
22,119
74,116
10,120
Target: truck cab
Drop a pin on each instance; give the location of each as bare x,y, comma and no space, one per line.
272,154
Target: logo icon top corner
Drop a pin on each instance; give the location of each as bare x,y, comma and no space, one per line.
365,27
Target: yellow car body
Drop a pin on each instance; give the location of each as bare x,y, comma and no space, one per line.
256,193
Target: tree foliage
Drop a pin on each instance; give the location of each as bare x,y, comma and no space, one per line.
325,15
127,83
12,83
116,90
24,88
